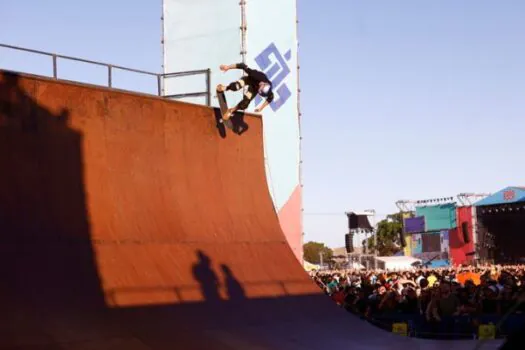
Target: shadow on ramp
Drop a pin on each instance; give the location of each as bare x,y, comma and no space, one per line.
239,125
234,288
48,270
208,280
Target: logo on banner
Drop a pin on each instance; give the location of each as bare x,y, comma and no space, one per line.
509,195
275,66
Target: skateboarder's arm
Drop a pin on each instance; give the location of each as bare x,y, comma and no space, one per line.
243,66
257,75
261,107
227,67
266,102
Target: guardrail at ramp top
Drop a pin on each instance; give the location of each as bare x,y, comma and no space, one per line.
155,86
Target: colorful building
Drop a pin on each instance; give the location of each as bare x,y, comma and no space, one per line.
489,230
435,234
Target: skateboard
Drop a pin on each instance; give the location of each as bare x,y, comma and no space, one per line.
224,107
236,122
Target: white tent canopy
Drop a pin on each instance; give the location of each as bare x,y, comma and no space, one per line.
310,267
396,262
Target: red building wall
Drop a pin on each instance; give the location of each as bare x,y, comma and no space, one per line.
458,248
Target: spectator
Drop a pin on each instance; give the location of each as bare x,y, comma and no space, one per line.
441,298
448,303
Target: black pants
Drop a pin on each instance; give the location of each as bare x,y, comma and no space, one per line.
249,93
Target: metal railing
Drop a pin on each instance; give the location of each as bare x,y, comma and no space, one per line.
111,67
206,93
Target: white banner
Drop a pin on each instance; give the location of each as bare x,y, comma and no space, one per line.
200,34
272,46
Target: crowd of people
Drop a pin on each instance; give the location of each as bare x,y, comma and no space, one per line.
432,301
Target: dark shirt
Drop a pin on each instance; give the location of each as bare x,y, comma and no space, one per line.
506,305
254,78
361,305
409,306
448,305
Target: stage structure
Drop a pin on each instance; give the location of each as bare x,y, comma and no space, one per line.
432,244
501,224
468,199
426,225
359,225
464,238
442,231
263,34
406,206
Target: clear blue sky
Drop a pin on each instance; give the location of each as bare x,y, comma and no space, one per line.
400,99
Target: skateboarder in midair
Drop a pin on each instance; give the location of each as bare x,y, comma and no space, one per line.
256,82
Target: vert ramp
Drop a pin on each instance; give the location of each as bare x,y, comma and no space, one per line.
127,222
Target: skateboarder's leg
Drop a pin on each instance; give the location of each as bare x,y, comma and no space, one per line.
229,113
241,106
237,85
234,86
248,97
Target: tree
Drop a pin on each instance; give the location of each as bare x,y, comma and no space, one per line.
388,232
311,252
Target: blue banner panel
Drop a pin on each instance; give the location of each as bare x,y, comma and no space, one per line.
417,244
414,225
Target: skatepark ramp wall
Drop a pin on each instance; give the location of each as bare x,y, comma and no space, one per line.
127,222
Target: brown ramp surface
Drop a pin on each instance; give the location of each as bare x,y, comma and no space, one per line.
127,222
